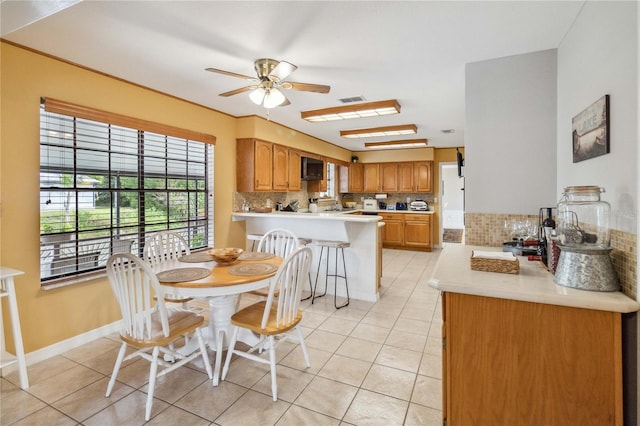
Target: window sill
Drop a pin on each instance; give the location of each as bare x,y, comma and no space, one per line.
77,279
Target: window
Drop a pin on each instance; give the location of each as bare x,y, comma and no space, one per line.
105,187
331,181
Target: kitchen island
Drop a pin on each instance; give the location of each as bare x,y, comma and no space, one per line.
363,258
520,349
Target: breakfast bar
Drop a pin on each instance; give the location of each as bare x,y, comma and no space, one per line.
363,257
520,349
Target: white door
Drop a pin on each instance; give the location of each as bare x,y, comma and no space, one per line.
452,198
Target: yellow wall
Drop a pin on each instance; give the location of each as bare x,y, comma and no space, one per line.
54,315
383,156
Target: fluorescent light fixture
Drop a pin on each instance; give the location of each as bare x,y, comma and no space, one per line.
346,112
408,143
269,98
404,129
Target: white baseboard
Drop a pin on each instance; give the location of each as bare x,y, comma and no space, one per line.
66,345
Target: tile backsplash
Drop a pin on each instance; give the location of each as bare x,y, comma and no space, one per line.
488,229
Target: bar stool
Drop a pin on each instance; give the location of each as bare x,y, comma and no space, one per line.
337,246
305,242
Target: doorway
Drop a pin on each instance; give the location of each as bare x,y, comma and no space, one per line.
452,202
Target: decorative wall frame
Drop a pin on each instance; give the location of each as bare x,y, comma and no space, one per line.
591,131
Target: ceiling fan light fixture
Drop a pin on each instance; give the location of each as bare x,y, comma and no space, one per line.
257,96
404,129
408,143
346,112
273,98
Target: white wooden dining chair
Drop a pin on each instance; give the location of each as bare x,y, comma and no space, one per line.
147,327
275,316
161,247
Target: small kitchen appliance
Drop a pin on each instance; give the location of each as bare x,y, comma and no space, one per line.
401,205
370,204
419,206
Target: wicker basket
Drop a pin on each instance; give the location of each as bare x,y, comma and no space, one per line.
225,255
495,265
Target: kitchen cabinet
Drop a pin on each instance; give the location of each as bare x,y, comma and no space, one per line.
522,363
254,160
410,231
280,168
393,230
405,177
295,183
388,177
356,177
371,177
423,176
417,231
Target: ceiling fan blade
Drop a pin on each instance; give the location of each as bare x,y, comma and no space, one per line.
282,71
232,74
285,102
236,91
306,87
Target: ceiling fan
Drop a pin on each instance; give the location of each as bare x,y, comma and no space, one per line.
269,81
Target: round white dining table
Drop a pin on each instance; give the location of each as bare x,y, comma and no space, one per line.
221,288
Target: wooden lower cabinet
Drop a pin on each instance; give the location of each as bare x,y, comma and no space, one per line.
407,231
507,362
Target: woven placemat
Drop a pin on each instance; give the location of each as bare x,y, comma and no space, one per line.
196,257
182,274
256,255
249,269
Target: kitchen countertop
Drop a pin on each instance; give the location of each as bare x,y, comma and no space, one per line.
341,216
534,283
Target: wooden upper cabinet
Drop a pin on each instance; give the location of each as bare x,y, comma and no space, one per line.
356,177
295,183
423,176
405,177
371,177
280,168
389,177
254,160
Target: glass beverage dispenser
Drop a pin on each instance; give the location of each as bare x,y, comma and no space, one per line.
583,237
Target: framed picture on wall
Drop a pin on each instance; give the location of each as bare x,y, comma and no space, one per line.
591,131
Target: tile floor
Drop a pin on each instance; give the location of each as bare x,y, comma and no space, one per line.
371,364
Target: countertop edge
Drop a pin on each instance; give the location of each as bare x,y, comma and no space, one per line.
535,289
341,217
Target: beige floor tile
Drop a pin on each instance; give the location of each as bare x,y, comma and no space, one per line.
390,381
134,374
324,340
15,404
405,340
418,415
412,326
370,332
297,416
421,313
364,350
176,416
402,359
345,370
350,312
87,401
173,386
312,320
317,357
43,370
290,382
210,402
264,411
433,346
431,365
65,383
129,411
428,392
45,416
380,319
338,326
85,352
245,372
327,397
370,408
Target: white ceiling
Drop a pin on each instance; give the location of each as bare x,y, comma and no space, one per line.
412,51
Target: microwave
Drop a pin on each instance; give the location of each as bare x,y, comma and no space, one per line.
311,169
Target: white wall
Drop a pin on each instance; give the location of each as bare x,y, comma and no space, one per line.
599,56
510,134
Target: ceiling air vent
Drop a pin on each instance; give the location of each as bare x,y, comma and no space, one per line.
352,99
